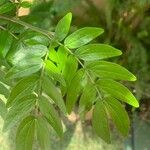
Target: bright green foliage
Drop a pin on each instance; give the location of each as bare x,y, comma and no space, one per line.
82,37
96,52
46,79
63,27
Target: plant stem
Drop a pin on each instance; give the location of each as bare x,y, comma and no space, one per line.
88,74
33,28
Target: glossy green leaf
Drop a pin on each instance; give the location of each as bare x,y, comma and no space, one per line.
19,110
87,98
20,52
74,90
3,109
104,69
100,121
51,115
25,134
5,43
118,91
82,37
22,88
6,7
93,52
43,134
118,115
63,27
51,90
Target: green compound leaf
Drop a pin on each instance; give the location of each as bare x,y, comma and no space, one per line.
82,37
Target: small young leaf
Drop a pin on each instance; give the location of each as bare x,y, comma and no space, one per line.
100,121
20,109
43,134
93,52
25,134
74,90
6,7
3,109
51,115
63,27
22,88
82,37
51,90
118,91
104,69
118,115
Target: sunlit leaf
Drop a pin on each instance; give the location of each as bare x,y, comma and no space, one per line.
63,27
82,37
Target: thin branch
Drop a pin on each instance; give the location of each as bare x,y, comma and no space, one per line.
29,26
88,74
